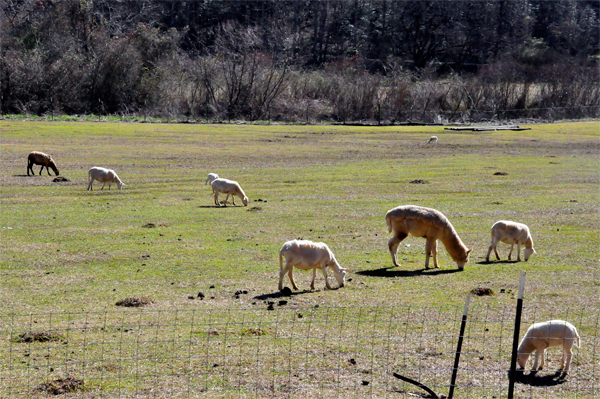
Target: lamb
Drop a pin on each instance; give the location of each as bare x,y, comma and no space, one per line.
429,224
432,139
307,255
228,187
210,178
104,176
511,233
541,336
39,158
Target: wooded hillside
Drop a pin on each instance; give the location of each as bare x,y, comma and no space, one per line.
302,61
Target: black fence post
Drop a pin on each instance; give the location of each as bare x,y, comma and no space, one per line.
459,347
513,360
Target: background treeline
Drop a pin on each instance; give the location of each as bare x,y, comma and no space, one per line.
302,61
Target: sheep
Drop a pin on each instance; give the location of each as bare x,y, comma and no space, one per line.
39,158
210,178
429,224
541,336
432,139
307,255
104,176
228,187
511,233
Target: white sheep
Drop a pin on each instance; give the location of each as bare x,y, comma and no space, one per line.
228,187
307,255
541,336
429,224
432,139
210,178
511,233
104,176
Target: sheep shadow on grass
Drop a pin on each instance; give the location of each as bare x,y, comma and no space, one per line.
492,262
219,207
386,272
279,294
535,380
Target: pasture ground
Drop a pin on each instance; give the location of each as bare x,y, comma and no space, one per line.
65,249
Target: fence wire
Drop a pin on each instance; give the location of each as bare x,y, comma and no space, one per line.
287,352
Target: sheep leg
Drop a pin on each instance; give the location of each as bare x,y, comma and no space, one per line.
429,244
538,352
290,275
287,269
324,270
42,168
434,252
566,360
510,253
393,244
90,185
30,167
492,246
314,276
103,184
518,252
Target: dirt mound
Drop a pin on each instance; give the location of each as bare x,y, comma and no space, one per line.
42,336
60,179
482,291
419,181
61,386
134,302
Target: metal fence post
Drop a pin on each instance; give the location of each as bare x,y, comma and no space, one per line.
459,347
513,360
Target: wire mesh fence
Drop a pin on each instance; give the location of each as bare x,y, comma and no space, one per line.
280,351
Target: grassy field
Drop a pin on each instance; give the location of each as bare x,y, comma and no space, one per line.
65,249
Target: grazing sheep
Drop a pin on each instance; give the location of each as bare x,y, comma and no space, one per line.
432,139
228,187
511,233
210,178
541,336
429,224
39,158
307,255
104,176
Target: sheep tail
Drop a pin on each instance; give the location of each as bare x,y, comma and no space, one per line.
578,341
280,260
388,220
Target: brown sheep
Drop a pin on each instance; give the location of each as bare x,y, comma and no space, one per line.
39,158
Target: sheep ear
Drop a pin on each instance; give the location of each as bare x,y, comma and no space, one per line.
469,251
534,251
